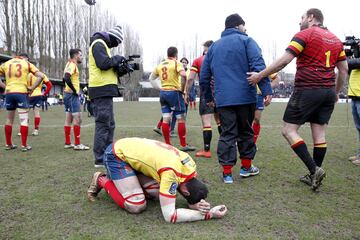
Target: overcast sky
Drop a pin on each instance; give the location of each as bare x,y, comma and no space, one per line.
272,24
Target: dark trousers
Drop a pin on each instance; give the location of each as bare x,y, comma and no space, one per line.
104,125
236,122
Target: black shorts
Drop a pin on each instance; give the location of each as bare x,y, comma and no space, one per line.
204,108
310,105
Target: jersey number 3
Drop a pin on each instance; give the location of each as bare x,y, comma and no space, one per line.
18,71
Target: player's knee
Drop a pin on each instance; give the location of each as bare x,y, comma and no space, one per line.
138,208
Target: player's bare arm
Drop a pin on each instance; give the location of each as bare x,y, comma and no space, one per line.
342,66
276,66
173,215
189,83
183,79
40,77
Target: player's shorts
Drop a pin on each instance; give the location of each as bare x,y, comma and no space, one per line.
116,168
260,102
172,101
310,105
35,101
16,100
204,108
71,103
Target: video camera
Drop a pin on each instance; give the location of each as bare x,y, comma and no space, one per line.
353,48
125,67
352,51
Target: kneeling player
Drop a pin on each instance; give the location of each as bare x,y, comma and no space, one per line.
139,168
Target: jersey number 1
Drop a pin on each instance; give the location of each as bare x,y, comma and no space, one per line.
328,53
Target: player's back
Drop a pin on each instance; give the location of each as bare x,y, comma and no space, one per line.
168,72
152,157
16,73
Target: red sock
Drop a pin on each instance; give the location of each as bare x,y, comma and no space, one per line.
227,169
76,134
246,163
182,133
111,189
8,133
24,130
36,122
67,130
256,127
166,132
194,105
191,105
159,123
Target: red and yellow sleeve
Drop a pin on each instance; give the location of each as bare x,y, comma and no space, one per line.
168,184
297,44
32,68
2,69
342,56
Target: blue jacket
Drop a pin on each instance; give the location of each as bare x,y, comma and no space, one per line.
228,61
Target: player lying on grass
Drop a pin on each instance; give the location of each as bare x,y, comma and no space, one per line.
139,168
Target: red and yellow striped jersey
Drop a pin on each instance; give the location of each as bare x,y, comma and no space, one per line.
164,163
169,74
72,69
16,73
317,51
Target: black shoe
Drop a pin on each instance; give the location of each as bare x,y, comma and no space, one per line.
99,164
317,177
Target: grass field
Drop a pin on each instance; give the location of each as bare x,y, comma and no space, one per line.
43,192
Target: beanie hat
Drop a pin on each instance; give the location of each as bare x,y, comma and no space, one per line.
234,20
117,33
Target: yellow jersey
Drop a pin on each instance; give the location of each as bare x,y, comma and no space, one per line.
72,69
164,163
169,74
37,90
16,73
354,83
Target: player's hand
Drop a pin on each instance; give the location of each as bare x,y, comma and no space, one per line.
186,98
253,78
267,100
75,94
218,211
202,206
29,89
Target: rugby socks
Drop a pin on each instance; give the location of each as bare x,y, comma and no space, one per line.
245,163
319,152
256,127
67,130
194,105
207,135
159,123
166,132
24,130
301,150
227,169
36,123
182,133
8,133
111,189
76,134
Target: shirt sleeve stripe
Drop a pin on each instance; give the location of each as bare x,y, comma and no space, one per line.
297,45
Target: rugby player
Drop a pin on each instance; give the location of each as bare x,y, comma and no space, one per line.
36,99
171,95
139,168
72,102
317,88
16,73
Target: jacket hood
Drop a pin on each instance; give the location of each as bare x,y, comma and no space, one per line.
101,35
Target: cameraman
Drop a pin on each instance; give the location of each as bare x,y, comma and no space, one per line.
103,87
354,94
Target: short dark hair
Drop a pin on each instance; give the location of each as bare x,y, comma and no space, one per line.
184,58
197,190
208,43
316,13
172,52
25,55
74,51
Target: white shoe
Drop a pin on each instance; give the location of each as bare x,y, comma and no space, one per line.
81,147
67,146
19,134
35,132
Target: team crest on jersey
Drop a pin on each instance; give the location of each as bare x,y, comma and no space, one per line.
172,189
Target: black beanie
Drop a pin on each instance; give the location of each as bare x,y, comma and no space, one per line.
234,20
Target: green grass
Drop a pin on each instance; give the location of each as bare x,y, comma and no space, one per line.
43,192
